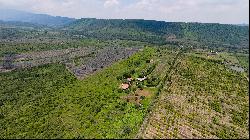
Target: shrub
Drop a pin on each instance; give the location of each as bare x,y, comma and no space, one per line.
126,130
152,81
119,77
120,90
126,75
215,120
140,86
216,106
142,97
239,118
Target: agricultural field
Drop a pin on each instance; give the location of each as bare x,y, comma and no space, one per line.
202,99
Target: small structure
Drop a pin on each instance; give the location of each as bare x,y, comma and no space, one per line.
124,86
212,53
141,79
129,79
171,37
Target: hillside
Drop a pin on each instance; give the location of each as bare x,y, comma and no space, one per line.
200,35
163,32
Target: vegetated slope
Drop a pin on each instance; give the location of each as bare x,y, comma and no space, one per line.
41,19
13,31
38,45
48,102
160,32
201,35
243,60
27,101
16,24
202,99
217,33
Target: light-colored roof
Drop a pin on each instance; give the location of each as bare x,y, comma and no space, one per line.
124,86
129,79
141,79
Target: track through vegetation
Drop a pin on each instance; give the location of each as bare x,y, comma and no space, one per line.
189,107
165,81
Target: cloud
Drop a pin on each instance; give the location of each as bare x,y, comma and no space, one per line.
222,11
111,3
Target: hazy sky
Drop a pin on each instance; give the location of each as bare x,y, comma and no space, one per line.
219,11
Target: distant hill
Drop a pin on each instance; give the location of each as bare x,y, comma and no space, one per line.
42,19
243,24
152,31
18,24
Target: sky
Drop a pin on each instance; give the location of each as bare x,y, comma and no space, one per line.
206,11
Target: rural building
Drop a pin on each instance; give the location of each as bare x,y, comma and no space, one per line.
141,79
129,79
124,86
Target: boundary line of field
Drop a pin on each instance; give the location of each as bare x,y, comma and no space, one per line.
151,109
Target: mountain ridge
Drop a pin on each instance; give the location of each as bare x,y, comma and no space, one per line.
42,19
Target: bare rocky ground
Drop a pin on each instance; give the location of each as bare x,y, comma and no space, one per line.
103,58
80,61
27,60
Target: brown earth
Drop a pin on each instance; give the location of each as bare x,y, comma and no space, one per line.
136,97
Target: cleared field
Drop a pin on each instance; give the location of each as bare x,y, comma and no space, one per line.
101,59
80,61
202,99
32,59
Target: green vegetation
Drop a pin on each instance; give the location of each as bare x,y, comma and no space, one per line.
25,47
158,32
243,60
240,117
215,106
28,98
203,96
182,86
52,104
201,35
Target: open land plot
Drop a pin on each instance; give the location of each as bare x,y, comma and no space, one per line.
80,61
202,100
31,59
103,58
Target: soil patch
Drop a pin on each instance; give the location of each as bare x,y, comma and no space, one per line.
143,92
138,96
